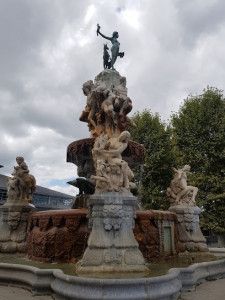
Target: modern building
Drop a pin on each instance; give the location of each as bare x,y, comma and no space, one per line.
44,198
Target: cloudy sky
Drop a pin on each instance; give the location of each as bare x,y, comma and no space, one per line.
49,48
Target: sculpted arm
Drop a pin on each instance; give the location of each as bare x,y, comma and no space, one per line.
104,36
116,151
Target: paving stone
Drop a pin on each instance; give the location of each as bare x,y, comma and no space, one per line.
209,290
16,293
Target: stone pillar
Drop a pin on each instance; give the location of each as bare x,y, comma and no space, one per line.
13,226
112,246
190,235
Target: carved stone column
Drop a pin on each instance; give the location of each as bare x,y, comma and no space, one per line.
190,235
112,246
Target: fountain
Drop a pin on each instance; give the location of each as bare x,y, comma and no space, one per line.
104,164
107,237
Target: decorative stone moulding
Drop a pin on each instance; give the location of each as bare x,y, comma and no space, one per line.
112,246
13,226
65,287
191,238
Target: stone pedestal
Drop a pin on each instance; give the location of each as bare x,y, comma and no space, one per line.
13,226
191,238
112,246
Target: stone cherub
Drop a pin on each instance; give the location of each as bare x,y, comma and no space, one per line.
22,185
112,172
179,192
115,46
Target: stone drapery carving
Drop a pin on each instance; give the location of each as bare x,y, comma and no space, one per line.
22,185
112,172
107,104
179,192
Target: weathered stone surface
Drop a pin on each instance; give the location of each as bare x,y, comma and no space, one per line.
113,174
79,153
22,185
13,226
107,104
57,235
149,232
179,192
112,238
62,286
190,235
45,244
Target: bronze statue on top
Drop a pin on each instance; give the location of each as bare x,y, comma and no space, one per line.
107,63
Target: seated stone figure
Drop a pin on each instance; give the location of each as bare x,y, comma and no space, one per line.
112,172
22,185
179,192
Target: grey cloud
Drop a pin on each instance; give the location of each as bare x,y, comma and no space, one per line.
199,18
48,51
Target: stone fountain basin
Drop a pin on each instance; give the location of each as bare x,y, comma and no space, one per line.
61,286
80,151
61,235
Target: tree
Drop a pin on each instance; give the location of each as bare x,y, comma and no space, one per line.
155,176
199,138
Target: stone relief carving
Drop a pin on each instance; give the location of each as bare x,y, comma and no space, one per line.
179,192
113,216
22,185
14,218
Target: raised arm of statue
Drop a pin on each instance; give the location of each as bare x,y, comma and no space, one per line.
115,45
104,36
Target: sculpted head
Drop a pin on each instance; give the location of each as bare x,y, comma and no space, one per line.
19,159
115,34
87,86
124,137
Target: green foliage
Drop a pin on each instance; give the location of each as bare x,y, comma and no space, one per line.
199,140
155,176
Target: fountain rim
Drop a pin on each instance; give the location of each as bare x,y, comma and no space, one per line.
175,281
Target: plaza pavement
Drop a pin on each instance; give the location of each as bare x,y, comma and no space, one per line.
16,293
208,290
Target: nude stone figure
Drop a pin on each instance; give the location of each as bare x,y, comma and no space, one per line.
179,192
107,104
112,172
